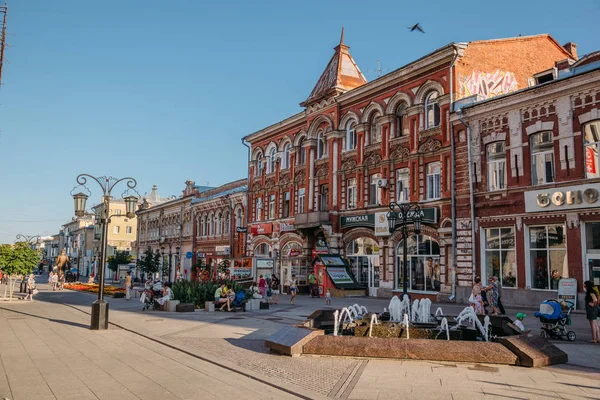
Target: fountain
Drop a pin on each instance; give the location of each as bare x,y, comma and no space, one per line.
335,322
439,312
414,310
424,311
373,319
469,314
405,324
444,326
398,308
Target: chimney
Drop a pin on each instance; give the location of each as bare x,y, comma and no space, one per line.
571,48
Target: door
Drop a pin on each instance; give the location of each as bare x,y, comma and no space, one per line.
593,262
286,276
374,271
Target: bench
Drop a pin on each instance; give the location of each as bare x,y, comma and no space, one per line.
170,305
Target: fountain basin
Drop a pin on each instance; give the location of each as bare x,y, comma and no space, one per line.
397,330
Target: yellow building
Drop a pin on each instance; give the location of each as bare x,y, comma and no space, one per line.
122,231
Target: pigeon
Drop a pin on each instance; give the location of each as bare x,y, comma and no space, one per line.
416,27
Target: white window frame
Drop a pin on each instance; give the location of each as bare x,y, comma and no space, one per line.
259,165
403,185
528,276
351,193
432,105
116,229
542,154
128,230
259,208
272,206
301,195
400,118
374,191
321,146
272,166
323,194
286,156
286,204
496,167
375,130
350,137
302,156
434,181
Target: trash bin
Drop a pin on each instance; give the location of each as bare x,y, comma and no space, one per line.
23,286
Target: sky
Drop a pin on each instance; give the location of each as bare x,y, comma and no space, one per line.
163,91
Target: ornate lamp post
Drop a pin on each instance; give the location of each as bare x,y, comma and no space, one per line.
162,263
100,307
399,217
177,260
30,240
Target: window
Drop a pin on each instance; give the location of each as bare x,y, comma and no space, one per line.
374,192
204,226
401,123
259,207
128,230
375,130
423,258
272,161
117,212
433,181
238,218
116,229
402,185
302,151
301,200
321,145
496,166
542,158
211,224
218,223
432,111
351,193
323,192
363,254
272,206
592,149
259,165
286,204
261,250
226,224
547,256
500,258
350,137
286,156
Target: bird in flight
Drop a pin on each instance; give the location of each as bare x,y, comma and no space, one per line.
416,27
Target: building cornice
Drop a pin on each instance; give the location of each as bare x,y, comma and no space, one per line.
281,125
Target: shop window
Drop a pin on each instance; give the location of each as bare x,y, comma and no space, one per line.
401,123
286,204
432,111
301,200
321,145
350,137
259,208
293,262
592,149
402,184
302,151
542,158
323,193
592,237
548,256
351,193
500,255
287,153
496,166
374,192
434,181
272,206
363,254
423,259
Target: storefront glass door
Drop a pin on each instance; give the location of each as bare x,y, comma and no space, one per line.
364,263
593,263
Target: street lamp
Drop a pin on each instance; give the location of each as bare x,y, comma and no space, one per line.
399,217
100,307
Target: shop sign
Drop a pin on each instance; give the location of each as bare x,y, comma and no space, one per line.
351,221
428,215
222,250
293,253
241,229
261,229
321,244
264,263
382,228
567,290
563,198
283,227
200,255
339,275
241,269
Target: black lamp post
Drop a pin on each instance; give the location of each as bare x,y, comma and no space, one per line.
162,263
170,259
399,217
100,307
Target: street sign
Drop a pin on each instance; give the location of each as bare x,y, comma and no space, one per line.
567,290
241,229
189,254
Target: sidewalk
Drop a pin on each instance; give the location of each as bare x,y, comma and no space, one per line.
235,340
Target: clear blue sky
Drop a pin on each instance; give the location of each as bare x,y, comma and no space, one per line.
165,90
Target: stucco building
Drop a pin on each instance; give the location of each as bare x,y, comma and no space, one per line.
328,173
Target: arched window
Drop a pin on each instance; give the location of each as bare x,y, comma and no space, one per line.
218,223
542,158
592,147
204,226
262,250
302,152
287,150
375,129
259,165
496,166
227,223
321,145
239,218
423,259
211,224
401,123
432,111
272,161
351,136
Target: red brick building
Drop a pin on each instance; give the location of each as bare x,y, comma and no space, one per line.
535,174
330,171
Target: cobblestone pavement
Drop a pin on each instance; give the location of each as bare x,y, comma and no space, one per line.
235,341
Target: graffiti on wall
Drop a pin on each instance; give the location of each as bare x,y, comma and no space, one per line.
487,84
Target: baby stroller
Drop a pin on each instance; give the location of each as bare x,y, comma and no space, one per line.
150,295
239,303
555,320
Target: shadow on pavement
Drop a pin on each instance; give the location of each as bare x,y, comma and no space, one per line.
60,321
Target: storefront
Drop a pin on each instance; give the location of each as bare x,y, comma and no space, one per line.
365,263
423,259
293,262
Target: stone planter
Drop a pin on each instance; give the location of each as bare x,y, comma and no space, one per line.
185,307
253,304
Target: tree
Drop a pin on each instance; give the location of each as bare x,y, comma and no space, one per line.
120,257
149,263
15,260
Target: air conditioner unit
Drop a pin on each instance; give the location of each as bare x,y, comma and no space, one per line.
382,183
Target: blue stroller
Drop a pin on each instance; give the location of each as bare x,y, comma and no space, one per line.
555,320
239,303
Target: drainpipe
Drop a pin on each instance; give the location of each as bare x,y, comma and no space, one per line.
247,200
471,192
453,189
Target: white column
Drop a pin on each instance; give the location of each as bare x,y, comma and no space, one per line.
311,177
334,173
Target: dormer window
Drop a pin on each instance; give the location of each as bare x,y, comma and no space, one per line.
432,111
545,76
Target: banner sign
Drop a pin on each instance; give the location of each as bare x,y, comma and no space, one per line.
378,221
261,229
382,228
222,250
339,275
567,290
264,263
352,221
241,269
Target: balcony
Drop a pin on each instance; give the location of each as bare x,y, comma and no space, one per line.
311,219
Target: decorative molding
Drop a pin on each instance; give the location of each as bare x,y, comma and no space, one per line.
430,145
399,153
396,100
539,126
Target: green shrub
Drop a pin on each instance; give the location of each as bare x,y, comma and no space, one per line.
199,292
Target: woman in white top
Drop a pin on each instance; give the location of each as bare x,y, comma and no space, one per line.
167,295
30,287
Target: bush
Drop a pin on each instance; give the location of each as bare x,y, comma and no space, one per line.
199,292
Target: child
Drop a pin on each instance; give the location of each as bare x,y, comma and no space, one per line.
519,323
328,297
293,288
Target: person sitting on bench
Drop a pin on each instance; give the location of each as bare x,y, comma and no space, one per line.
222,298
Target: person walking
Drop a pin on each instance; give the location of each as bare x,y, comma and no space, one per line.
293,288
274,288
492,289
128,285
475,299
499,286
312,283
54,281
31,290
591,310
262,286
